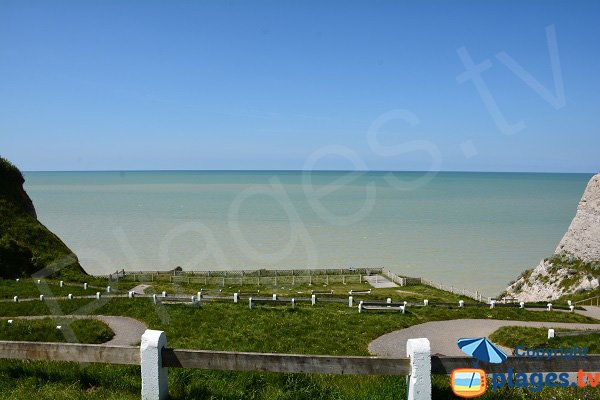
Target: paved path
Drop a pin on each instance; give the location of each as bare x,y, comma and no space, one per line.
139,289
443,334
128,331
379,282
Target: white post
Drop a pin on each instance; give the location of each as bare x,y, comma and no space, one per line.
492,303
313,299
389,300
164,294
18,280
550,333
108,289
155,299
61,284
98,295
274,297
425,302
419,380
154,376
293,304
250,303
569,303
521,304
41,297
39,281
549,305
70,296
16,299
131,294
235,298
199,296
360,306
461,303
349,301
194,301
403,309
85,285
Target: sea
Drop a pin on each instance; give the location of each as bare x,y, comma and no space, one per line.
472,230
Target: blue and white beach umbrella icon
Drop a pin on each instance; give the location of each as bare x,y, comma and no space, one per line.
482,349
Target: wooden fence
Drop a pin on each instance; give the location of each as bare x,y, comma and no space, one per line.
155,358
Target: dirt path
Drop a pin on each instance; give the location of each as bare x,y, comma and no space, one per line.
443,334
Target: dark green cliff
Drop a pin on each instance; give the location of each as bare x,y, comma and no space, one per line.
26,246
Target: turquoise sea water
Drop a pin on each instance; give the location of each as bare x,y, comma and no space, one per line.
473,230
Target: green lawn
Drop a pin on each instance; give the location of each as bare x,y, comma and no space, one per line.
511,336
44,330
327,328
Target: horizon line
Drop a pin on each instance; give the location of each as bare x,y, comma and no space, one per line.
319,170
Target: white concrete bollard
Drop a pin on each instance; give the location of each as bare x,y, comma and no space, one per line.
98,295
85,286
492,303
235,298
461,303
10,321
349,301
360,306
405,303
70,296
569,303
41,297
108,289
16,299
425,302
155,299
572,308
274,297
164,294
549,305
521,304
39,281
419,380
154,376
250,303
131,294
18,280
59,327
194,301
293,304
403,309
313,300
61,283
199,295
389,300
550,333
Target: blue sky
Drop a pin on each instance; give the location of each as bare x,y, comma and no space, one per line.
96,85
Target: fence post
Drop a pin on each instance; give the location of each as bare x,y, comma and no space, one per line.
154,376
419,380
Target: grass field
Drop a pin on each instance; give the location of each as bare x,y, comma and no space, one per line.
511,336
44,330
327,328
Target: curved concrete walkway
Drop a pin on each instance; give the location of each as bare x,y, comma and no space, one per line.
128,331
443,335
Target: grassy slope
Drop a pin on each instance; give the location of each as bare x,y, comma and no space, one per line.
18,223
44,330
325,329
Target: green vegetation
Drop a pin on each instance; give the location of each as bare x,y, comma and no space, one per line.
511,336
27,246
327,328
44,330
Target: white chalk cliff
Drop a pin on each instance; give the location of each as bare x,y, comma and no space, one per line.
582,240
576,264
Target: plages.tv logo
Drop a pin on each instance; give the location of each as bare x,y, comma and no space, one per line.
471,382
